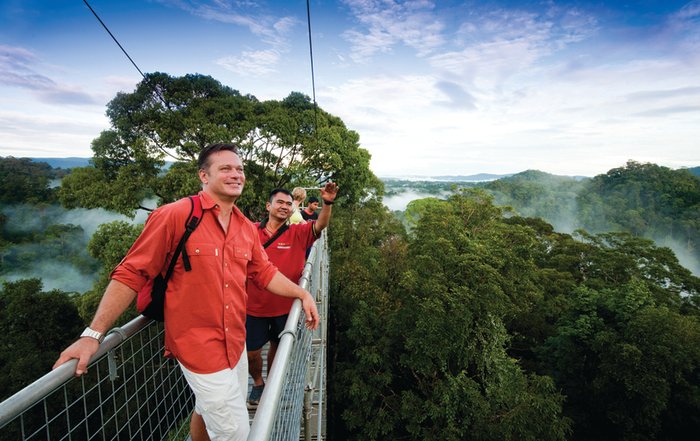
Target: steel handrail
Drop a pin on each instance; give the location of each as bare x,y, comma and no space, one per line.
32,394
263,423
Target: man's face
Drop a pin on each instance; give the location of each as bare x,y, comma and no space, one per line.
313,206
224,177
281,207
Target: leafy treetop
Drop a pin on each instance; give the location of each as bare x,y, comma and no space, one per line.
283,143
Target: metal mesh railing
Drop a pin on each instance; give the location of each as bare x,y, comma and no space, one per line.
131,392
294,386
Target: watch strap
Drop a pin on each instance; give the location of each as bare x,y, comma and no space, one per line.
88,332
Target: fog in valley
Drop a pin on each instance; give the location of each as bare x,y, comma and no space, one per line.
60,259
563,221
399,201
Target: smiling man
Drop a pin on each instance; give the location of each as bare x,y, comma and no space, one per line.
286,247
205,308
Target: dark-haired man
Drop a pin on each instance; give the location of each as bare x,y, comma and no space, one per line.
309,213
267,313
205,307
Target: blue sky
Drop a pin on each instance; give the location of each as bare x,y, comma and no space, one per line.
432,87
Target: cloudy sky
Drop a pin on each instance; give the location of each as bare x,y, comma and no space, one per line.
432,87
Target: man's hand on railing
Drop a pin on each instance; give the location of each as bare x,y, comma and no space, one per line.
309,305
117,297
83,349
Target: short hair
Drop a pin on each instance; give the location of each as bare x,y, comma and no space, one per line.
279,190
313,199
203,159
298,194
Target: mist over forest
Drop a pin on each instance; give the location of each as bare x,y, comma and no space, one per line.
648,194
60,260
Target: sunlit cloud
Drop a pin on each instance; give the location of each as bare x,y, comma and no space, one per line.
385,24
667,111
272,29
503,43
251,63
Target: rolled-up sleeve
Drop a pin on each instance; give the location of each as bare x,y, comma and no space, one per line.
148,255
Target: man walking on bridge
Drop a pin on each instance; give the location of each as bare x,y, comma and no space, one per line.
286,247
204,308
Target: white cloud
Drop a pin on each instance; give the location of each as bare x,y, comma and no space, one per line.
251,63
387,23
272,29
49,133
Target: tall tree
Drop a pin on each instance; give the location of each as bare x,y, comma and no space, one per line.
23,180
284,143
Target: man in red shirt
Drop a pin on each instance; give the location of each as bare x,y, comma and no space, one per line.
205,307
267,313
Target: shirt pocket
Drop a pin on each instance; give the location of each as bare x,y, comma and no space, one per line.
239,261
204,261
242,253
201,249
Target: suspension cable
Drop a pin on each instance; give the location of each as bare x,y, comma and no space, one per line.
113,37
311,52
313,79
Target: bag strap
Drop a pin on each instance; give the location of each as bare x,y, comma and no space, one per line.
193,220
277,234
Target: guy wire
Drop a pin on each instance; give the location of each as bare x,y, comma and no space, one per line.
313,76
113,37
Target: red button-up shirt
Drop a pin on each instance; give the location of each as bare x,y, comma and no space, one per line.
288,253
204,308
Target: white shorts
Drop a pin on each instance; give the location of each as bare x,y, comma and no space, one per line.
220,400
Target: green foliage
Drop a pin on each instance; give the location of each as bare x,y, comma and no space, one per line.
536,194
484,325
628,365
417,208
22,180
645,200
283,143
427,338
28,350
395,187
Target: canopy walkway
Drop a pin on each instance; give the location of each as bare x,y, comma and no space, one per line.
131,392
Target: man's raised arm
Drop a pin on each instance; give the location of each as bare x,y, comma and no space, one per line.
328,194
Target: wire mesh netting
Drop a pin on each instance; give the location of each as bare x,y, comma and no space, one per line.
132,393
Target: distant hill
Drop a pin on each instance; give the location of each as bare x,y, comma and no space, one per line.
539,176
70,162
447,178
693,170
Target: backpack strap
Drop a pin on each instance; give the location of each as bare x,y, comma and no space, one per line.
193,220
277,234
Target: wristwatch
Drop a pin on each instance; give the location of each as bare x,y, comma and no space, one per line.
93,334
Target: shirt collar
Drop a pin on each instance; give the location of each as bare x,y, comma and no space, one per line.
208,203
